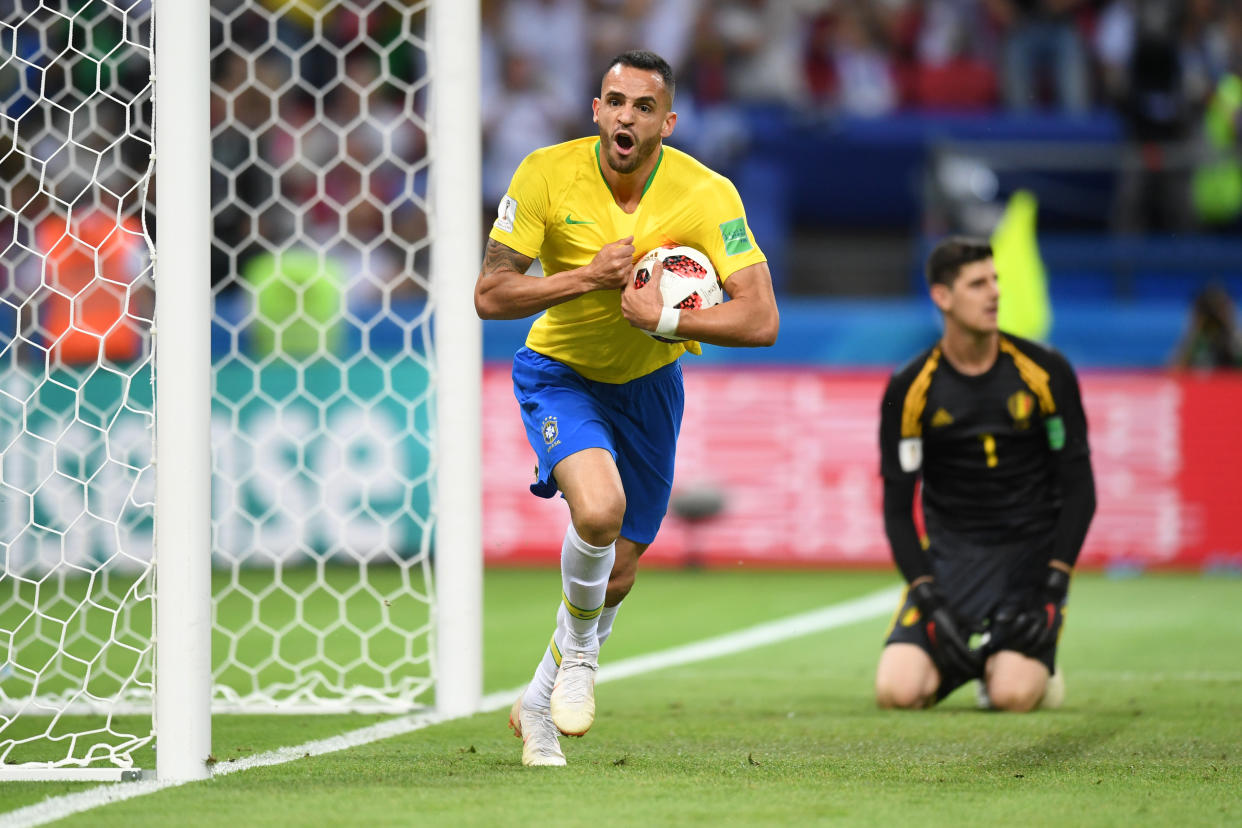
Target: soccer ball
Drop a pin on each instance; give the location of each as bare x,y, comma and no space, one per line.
689,280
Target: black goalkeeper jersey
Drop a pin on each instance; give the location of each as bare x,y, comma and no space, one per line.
991,449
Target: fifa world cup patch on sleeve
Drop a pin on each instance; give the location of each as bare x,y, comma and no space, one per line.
506,213
910,453
736,239
1056,433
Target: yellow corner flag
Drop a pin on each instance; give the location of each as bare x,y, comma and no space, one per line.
1024,306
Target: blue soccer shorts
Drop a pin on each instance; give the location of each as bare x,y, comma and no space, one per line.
636,421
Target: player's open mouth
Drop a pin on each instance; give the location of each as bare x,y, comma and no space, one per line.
623,142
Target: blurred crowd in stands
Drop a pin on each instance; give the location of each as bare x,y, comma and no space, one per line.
871,57
1157,62
318,108
358,75
319,141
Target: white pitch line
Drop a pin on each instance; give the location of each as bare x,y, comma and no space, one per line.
869,606
839,615
1192,676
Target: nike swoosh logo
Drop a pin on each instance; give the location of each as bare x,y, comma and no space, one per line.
569,219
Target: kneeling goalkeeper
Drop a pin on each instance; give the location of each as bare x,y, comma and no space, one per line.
993,427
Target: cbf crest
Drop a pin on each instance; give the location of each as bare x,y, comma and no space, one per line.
551,433
1021,405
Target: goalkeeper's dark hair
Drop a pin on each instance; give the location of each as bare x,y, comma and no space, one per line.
949,257
642,59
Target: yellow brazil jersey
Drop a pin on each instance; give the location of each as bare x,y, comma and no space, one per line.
560,210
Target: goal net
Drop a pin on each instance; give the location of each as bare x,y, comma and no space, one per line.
325,372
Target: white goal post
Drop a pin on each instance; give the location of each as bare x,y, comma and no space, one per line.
255,486
181,341
457,247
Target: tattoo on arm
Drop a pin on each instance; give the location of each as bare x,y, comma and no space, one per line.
501,257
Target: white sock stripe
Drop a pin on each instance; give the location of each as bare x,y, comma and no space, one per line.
870,606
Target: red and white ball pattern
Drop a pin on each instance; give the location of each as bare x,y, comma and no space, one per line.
689,280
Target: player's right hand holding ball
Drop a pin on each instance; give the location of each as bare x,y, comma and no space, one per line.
641,305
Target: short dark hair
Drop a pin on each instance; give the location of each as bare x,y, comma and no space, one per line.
949,257
642,59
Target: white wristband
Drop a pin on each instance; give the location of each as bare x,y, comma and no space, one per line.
667,326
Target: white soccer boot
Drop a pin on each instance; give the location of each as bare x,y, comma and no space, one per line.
1054,691
573,695
982,700
540,745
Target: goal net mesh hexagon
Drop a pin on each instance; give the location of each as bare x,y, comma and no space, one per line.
322,377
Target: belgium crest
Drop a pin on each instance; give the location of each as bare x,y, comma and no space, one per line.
1021,405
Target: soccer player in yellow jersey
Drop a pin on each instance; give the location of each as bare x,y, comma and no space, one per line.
602,400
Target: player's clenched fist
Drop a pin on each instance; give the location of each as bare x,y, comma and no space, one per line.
611,266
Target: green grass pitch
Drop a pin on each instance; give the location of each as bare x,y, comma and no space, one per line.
1150,734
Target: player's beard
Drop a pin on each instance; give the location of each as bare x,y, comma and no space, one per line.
642,151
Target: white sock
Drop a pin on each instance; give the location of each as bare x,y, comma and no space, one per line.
539,692
584,581
606,618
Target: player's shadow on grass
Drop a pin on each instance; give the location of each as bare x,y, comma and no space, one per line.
1072,738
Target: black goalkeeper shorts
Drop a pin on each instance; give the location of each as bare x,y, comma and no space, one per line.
981,585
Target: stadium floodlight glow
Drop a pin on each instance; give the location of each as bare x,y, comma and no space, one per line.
237,370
